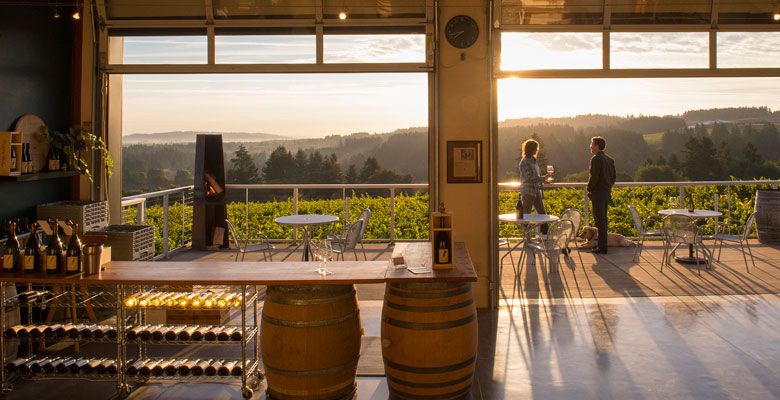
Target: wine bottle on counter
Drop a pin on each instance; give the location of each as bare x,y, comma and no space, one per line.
200,333
186,332
54,252
226,369
73,254
64,366
224,333
212,369
186,367
200,367
11,252
31,259
211,334
172,367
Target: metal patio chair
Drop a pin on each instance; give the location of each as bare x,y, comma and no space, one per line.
641,231
574,215
251,244
557,238
682,230
741,239
348,240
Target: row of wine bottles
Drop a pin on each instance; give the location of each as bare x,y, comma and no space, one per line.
56,259
184,332
61,331
184,367
183,300
32,296
62,365
26,166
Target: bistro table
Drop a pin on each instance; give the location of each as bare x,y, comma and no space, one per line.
527,221
304,221
696,215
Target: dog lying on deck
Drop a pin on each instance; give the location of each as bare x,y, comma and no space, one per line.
591,235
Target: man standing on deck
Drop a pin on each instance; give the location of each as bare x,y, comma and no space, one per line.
602,177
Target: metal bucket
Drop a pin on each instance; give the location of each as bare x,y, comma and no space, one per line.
91,254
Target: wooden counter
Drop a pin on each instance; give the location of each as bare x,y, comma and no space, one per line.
265,273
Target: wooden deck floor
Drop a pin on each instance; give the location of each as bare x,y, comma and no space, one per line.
601,276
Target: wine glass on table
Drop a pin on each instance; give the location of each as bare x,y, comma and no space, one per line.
550,172
674,202
323,252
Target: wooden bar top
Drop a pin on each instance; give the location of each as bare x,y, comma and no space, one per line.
265,273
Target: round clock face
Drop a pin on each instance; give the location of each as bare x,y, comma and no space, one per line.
461,31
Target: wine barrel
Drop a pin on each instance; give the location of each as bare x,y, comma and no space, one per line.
12,318
768,216
310,341
429,340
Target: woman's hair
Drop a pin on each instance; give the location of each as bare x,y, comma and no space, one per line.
530,148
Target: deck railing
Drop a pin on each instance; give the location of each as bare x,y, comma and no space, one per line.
181,198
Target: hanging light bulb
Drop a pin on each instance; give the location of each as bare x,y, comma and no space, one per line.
56,14
776,14
343,14
76,14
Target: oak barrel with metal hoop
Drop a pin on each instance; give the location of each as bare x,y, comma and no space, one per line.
310,338
768,216
429,340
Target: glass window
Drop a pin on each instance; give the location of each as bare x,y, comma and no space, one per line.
748,49
374,48
543,12
659,50
550,50
265,49
164,50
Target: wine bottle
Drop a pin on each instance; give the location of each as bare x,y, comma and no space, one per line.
99,332
211,334
237,370
110,332
27,367
159,333
73,255
442,248
31,260
39,331
132,333
11,251
226,369
212,369
13,158
107,367
186,332
53,259
62,331
186,367
52,331
146,333
146,369
19,331
209,301
173,332
64,366
159,368
88,332
51,159
76,367
200,367
236,335
29,167
690,202
519,209
173,366
184,301
13,366
134,367
91,366
226,300
200,333
32,295
75,331
46,365
224,333
196,302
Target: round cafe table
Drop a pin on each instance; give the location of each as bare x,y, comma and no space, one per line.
528,221
304,221
696,214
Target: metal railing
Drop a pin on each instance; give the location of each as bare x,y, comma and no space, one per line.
183,195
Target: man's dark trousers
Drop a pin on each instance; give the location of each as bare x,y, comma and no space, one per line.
598,201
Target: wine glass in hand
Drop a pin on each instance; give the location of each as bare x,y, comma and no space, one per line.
550,172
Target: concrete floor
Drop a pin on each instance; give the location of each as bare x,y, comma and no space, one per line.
593,340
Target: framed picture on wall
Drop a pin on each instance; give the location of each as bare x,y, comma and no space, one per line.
464,161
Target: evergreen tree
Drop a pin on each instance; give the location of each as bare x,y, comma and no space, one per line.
369,168
331,169
751,163
701,163
300,172
656,173
351,176
243,169
279,167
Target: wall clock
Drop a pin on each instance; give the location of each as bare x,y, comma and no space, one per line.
461,31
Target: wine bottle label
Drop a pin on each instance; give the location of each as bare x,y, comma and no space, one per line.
72,264
51,262
8,261
444,256
28,262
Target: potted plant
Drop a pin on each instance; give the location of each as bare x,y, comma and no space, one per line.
76,143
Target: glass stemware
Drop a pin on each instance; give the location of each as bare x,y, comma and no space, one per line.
674,202
323,252
550,172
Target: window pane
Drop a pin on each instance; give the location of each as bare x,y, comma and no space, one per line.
265,49
659,50
164,50
550,50
662,12
746,11
543,12
748,49
374,48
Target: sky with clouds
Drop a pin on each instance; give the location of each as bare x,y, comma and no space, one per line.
315,105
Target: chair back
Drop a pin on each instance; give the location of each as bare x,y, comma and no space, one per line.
680,229
352,235
749,225
559,234
637,220
233,234
365,215
575,217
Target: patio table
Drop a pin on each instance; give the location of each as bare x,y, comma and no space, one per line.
528,221
304,221
696,214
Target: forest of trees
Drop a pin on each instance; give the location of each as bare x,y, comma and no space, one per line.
713,144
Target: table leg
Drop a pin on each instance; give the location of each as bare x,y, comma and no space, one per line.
306,246
691,259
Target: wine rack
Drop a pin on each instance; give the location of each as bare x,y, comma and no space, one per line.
130,303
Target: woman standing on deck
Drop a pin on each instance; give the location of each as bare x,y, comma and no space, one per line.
531,180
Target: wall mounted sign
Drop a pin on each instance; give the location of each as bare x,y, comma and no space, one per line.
464,161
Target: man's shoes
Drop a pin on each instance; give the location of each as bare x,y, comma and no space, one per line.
597,250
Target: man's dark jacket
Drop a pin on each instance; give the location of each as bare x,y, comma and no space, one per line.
602,173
